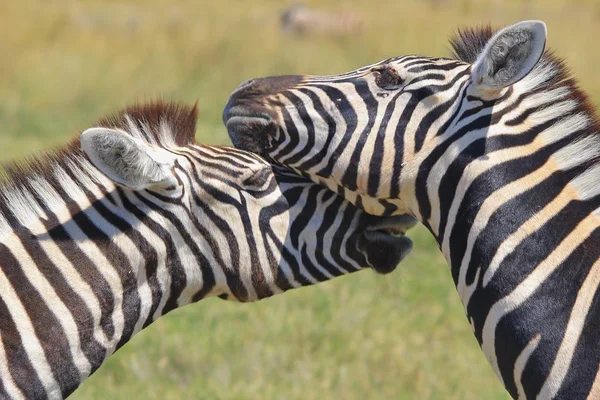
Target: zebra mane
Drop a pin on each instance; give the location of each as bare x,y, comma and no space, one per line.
33,184
468,43
160,123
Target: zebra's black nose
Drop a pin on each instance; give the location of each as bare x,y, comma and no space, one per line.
385,245
249,129
249,120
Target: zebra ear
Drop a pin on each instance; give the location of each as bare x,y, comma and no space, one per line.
509,55
126,160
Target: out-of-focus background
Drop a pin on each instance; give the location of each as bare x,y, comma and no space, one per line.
65,63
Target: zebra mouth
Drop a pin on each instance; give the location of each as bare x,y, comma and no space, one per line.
386,243
247,130
395,226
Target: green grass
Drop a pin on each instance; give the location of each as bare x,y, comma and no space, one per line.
65,64
357,337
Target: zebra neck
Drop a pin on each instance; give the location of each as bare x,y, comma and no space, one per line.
95,267
522,242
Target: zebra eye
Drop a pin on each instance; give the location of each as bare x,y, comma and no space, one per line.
387,78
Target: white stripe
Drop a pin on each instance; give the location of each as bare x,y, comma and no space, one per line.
577,153
521,362
586,183
93,252
390,151
135,259
302,129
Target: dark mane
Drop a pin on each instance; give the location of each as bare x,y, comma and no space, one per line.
467,43
151,118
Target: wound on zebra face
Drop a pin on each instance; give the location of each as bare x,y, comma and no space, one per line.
134,219
365,133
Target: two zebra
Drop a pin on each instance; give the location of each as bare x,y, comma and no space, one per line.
496,151
134,219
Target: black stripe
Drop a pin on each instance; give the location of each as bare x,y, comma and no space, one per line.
293,136
548,310
340,232
434,114
350,178
489,181
300,223
376,159
421,195
88,272
172,261
93,350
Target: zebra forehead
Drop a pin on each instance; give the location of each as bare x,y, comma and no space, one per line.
158,122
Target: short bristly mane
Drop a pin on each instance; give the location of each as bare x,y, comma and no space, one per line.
28,186
164,124
467,43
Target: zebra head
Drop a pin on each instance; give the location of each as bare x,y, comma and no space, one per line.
366,133
277,230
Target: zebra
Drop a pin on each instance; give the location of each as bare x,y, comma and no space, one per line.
496,151
133,219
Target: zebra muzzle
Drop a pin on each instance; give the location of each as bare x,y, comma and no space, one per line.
385,243
249,131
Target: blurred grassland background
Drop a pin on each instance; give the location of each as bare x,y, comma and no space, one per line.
403,336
